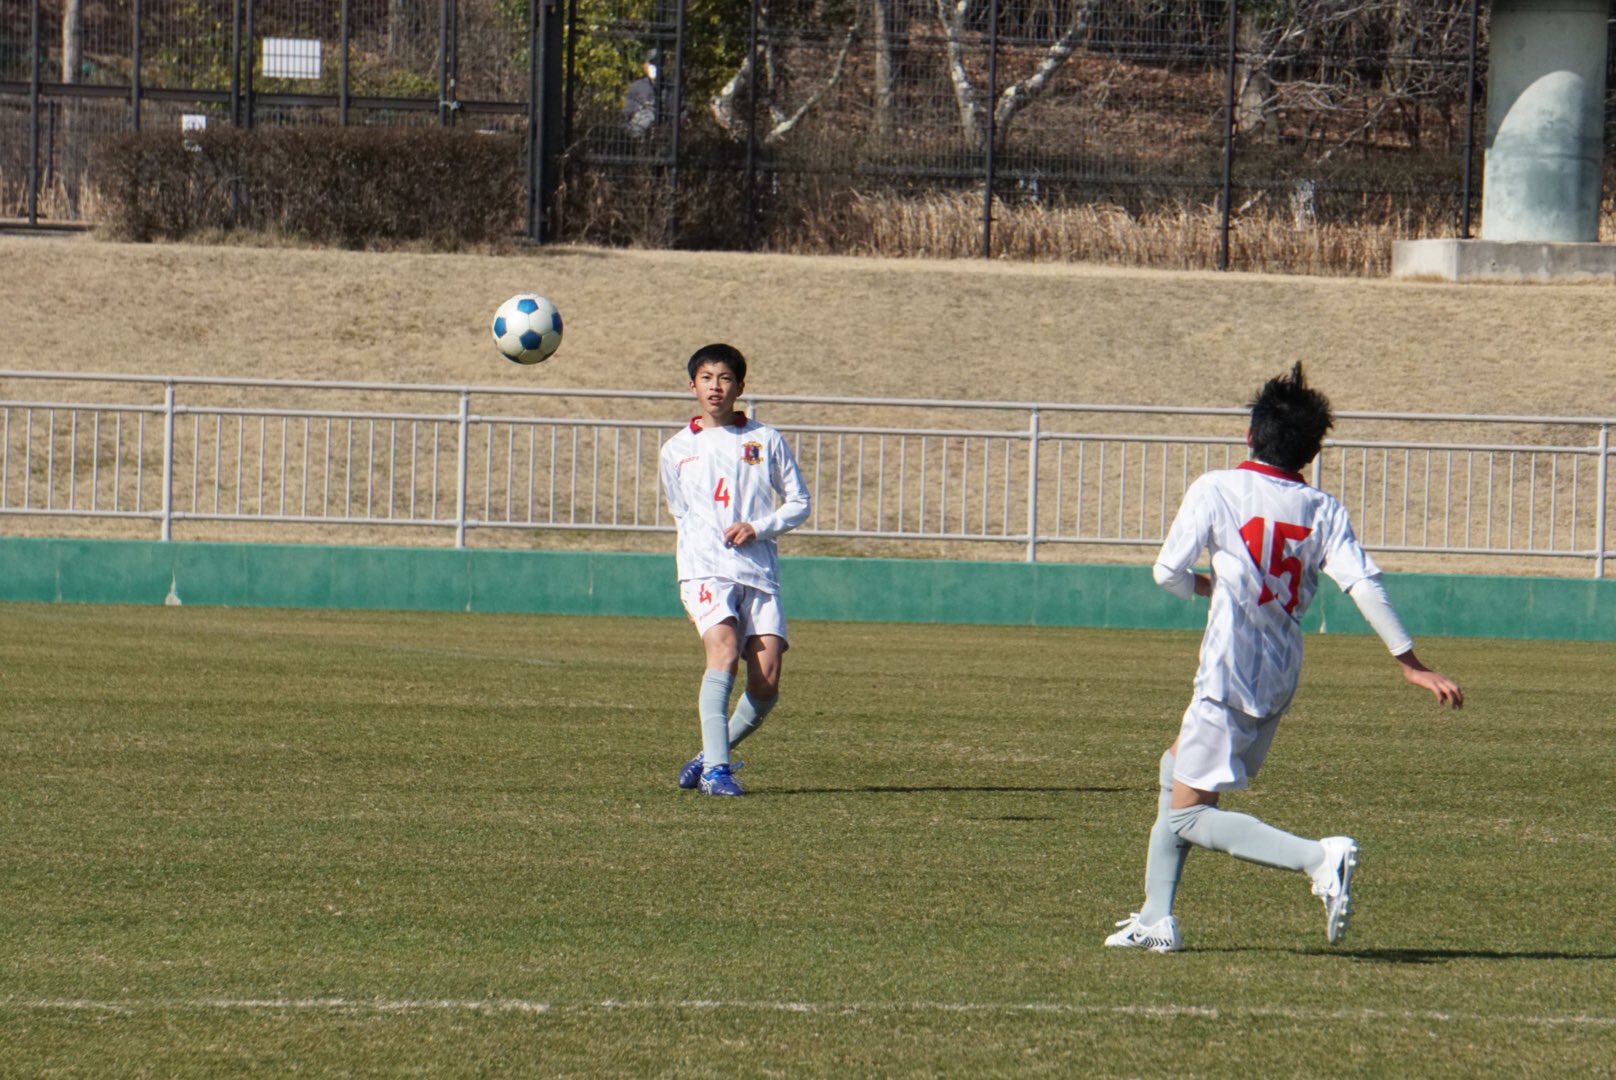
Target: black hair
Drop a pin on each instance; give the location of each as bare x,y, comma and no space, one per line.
728,355
1289,420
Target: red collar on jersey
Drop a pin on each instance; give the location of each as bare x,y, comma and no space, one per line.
1272,470
695,422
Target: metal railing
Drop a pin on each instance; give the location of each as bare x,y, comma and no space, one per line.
458,459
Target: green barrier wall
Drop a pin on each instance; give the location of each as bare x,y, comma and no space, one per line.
609,583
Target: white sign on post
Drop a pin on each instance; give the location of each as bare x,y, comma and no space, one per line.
190,122
292,58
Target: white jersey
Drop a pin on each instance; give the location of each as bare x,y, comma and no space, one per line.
1269,534
715,477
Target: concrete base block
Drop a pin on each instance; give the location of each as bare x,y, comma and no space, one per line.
1498,260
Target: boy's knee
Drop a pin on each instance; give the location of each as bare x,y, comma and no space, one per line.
1183,820
1168,762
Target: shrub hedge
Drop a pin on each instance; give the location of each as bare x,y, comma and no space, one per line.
350,186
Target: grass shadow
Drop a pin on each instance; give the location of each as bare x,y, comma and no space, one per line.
1423,956
888,789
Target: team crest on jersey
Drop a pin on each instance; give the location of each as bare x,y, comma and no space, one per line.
751,452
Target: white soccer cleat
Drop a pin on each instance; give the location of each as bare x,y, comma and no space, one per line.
1161,936
1332,883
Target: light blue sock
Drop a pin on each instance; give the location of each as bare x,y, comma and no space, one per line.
748,716
1164,858
1245,837
714,706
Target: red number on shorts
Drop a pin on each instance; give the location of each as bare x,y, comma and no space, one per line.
703,594
721,494
1280,565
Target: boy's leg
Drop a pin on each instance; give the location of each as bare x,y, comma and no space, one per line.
1219,748
723,651
1201,823
1164,858
763,653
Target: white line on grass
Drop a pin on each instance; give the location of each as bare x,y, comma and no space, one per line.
377,1006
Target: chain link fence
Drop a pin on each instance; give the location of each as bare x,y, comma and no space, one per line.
1135,129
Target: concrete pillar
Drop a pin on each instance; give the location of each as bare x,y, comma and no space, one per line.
1545,120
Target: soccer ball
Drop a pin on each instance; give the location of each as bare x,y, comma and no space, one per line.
527,328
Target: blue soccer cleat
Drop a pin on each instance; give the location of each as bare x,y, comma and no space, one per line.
719,780
690,775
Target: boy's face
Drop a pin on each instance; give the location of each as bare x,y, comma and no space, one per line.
716,389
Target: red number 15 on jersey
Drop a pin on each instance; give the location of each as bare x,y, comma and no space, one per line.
1278,564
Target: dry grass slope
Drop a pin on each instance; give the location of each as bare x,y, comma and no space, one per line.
968,329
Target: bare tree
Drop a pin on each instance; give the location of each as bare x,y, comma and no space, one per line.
72,41
885,90
774,86
952,16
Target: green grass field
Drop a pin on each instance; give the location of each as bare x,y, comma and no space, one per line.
254,842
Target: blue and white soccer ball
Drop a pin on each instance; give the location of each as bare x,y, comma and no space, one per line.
527,328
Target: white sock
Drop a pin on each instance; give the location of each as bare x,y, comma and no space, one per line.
1245,837
748,716
1164,857
713,704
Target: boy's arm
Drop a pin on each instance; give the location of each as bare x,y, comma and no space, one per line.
1185,540
670,487
1370,596
794,503
1444,689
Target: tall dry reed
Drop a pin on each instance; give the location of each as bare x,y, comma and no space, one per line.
1182,237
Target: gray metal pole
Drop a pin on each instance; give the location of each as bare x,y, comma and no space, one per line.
168,461
1603,487
987,165
1032,489
33,114
1228,137
461,454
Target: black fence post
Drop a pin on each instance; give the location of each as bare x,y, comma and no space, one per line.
235,63
751,125
251,36
343,35
1228,138
569,87
134,62
1470,127
454,62
33,114
678,108
544,118
443,62
992,132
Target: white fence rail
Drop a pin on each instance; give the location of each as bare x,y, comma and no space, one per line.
459,459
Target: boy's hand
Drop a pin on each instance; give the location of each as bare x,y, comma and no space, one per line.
1444,689
739,533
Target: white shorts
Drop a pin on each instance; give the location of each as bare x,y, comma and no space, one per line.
710,601
1221,748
